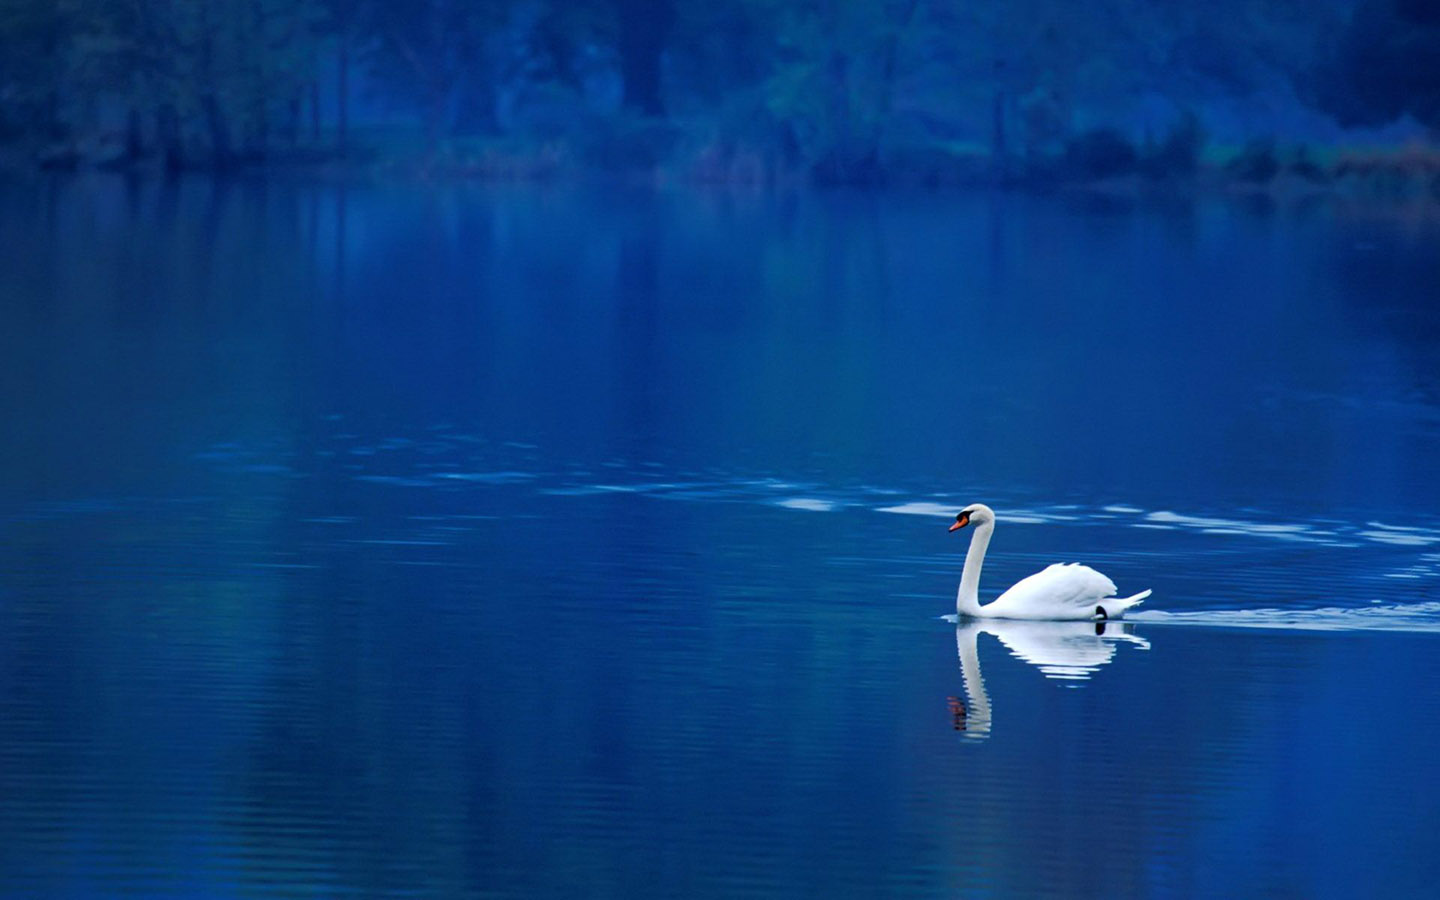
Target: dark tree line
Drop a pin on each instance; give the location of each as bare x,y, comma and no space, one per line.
1385,64
836,86
230,80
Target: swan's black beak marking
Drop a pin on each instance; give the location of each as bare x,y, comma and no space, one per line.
960,521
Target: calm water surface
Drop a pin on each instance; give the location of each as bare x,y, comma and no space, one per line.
368,541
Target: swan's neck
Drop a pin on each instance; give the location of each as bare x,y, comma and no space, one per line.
967,601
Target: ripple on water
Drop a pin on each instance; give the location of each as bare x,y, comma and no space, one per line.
396,463
1421,616
811,504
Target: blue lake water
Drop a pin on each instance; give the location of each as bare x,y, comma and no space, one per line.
559,542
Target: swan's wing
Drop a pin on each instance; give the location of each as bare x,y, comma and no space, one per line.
1061,591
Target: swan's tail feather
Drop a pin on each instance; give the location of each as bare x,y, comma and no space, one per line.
1123,603
1114,607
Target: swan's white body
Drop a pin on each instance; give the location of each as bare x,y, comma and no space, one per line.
1064,591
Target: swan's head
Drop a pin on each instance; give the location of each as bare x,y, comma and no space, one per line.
974,514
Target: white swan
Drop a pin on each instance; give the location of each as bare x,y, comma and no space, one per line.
1064,591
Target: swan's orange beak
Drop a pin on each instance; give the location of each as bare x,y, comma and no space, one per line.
960,522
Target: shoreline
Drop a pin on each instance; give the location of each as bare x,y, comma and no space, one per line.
1407,174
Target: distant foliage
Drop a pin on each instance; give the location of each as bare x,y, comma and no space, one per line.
839,91
628,142
834,79
1100,153
1383,65
1257,163
1410,170
1303,166
1178,153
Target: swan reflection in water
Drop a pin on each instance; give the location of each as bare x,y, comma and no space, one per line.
1068,651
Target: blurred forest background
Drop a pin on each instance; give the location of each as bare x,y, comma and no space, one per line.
737,91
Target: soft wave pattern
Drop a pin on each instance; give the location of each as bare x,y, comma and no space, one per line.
1380,558
1423,616
1325,533
447,460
